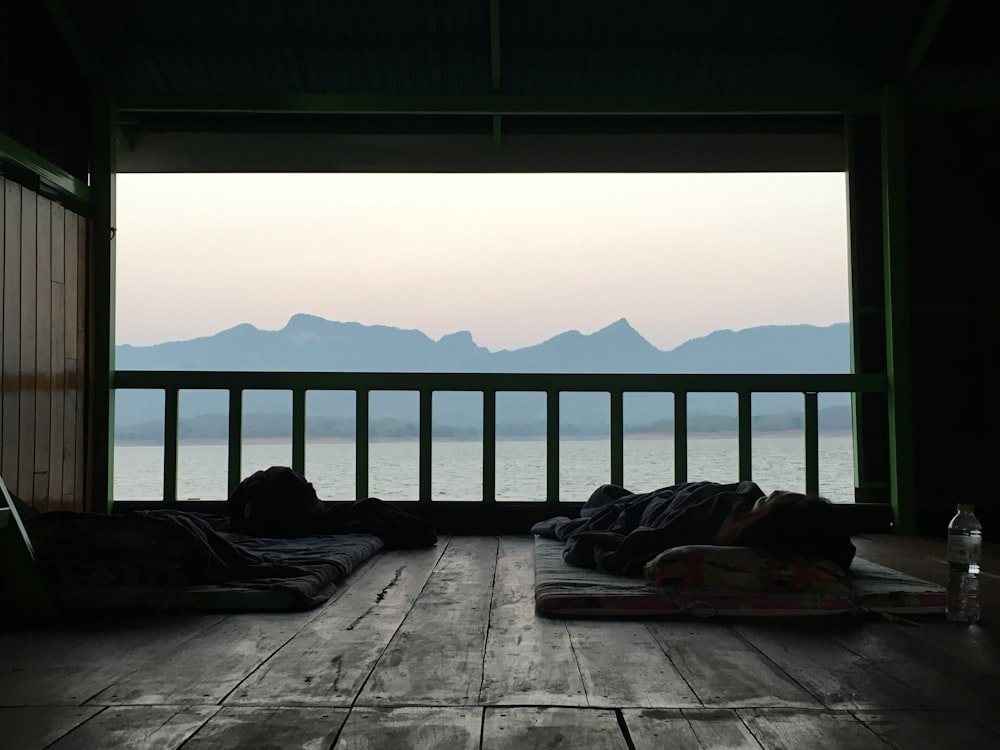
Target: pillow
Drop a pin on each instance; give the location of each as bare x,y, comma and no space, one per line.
744,569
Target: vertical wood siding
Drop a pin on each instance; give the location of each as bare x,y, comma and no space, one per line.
42,256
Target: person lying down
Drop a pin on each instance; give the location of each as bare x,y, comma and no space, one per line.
619,531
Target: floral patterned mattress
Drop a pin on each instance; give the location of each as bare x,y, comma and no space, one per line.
727,581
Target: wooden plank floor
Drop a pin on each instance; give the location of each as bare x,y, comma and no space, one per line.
441,648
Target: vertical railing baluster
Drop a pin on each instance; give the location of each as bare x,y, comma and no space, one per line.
361,488
552,446
617,438
744,438
811,427
489,446
170,426
235,438
299,430
426,413
680,437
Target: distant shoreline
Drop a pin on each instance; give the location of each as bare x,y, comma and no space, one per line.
730,435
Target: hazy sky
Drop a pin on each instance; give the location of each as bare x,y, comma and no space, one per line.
514,259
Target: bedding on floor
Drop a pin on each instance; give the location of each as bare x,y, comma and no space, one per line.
726,581
169,558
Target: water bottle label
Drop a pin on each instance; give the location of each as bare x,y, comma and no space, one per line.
964,550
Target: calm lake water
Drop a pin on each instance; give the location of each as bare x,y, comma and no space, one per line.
778,463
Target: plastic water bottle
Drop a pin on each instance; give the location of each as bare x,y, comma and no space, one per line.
965,543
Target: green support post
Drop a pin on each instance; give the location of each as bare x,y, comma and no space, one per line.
489,446
101,256
902,460
617,438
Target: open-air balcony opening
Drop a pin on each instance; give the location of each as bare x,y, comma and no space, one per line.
558,274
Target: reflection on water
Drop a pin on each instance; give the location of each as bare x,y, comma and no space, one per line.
457,467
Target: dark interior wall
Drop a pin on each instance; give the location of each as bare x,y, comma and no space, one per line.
952,194
42,261
44,100
43,266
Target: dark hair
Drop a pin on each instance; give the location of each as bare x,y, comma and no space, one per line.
789,523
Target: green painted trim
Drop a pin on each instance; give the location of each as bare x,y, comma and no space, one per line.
170,424
617,438
59,180
101,306
475,381
500,104
902,460
361,402
551,446
235,438
426,444
488,384
810,428
857,311
680,437
743,436
489,446
299,430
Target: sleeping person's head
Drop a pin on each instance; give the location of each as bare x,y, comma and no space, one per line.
790,523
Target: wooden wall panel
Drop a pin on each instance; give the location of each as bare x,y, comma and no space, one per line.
29,306
42,256
58,357
11,334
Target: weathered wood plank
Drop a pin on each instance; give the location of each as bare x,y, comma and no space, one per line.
724,670
58,356
3,240
838,677
944,681
10,435
972,646
930,730
43,354
623,666
436,656
67,666
329,660
793,729
83,320
285,728
207,668
687,729
411,728
28,297
36,727
137,728
552,727
529,659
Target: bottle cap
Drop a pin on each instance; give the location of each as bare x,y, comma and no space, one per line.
966,507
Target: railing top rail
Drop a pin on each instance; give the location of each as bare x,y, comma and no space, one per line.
496,381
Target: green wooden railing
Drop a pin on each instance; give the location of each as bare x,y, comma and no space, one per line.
489,384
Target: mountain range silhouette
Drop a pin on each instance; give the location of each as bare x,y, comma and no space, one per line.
312,343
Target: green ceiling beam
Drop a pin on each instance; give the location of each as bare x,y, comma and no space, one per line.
925,35
24,159
498,104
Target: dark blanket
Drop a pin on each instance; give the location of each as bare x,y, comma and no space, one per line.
280,502
619,531
174,548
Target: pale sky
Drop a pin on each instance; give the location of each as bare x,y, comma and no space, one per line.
513,258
